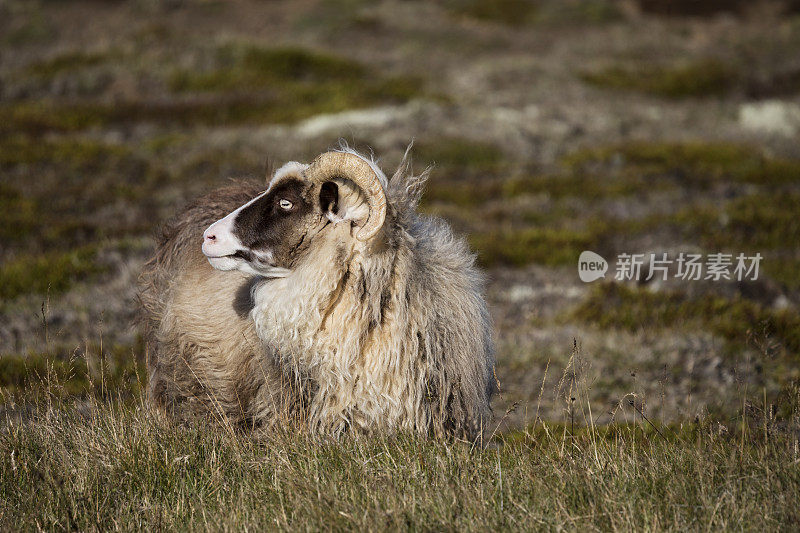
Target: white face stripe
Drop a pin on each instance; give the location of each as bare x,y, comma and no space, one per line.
288,168
223,227
224,241
238,210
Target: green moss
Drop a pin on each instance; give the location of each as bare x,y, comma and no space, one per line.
334,18
45,116
689,164
775,172
281,103
47,273
474,193
160,144
67,62
583,185
86,175
698,78
469,194
251,68
456,159
293,83
39,117
764,220
783,268
544,246
612,305
510,12
213,165
459,152
582,11
465,172
18,214
555,237
761,222
68,154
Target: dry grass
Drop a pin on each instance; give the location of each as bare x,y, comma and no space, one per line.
117,466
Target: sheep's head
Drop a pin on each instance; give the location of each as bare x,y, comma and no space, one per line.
265,235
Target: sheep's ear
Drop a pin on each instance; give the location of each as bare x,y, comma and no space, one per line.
329,200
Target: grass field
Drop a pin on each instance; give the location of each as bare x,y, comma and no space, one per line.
116,466
109,462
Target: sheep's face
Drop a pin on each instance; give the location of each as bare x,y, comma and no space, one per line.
271,233
268,235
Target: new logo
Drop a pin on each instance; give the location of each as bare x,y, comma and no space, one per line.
591,266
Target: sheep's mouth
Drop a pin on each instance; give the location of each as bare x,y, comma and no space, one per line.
242,254
239,254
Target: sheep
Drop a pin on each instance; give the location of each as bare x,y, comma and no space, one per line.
372,314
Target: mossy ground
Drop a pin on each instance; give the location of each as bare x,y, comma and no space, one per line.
757,215
247,84
696,79
693,78
47,273
67,62
697,164
84,193
520,13
738,320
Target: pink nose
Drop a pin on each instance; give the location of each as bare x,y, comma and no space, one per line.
209,237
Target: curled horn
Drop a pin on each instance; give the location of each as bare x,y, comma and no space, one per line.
350,166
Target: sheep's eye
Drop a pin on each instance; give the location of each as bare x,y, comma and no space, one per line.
285,204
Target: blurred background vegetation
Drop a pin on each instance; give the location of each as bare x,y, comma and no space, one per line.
555,126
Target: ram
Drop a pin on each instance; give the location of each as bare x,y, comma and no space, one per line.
332,299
